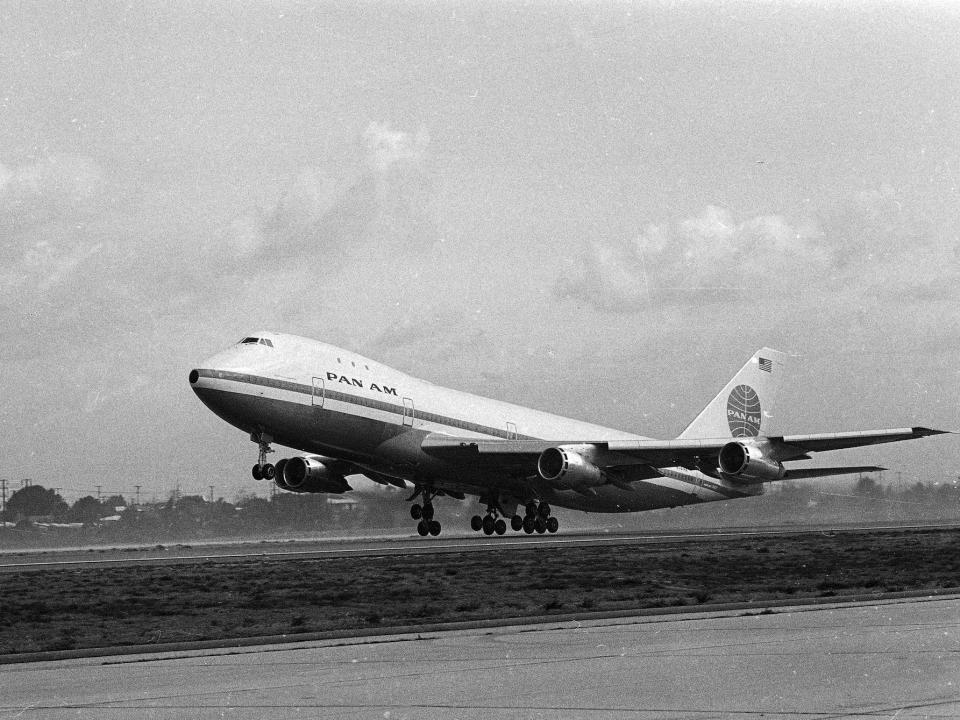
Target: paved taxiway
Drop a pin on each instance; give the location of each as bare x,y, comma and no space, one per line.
889,659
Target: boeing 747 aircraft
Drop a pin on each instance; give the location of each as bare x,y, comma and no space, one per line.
350,415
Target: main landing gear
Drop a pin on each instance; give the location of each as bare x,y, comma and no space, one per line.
424,513
537,518
490,523
263,470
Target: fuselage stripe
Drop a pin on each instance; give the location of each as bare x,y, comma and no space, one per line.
337,396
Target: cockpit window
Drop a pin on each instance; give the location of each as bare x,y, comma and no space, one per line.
264,341
256,341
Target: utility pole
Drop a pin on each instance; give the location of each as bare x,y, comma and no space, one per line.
211,493
3,484
98,492
138,494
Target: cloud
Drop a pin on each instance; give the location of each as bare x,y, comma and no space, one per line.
386,198
45,210
709,257
387,148
58,187
869,245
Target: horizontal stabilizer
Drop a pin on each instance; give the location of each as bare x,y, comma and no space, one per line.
843,440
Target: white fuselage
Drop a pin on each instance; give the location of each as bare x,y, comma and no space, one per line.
321,399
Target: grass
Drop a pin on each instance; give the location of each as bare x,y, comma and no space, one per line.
46,610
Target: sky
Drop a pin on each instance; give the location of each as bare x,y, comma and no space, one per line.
596,209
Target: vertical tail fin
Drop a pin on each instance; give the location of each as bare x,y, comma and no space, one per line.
744,408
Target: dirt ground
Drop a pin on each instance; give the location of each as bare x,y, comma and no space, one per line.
67,609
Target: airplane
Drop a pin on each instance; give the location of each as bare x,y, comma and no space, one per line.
350,415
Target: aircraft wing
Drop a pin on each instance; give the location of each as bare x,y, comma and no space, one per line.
687,452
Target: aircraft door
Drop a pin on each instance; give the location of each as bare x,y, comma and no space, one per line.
316,397
511,431
408,411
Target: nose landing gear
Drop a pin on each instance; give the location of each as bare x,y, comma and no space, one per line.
263,470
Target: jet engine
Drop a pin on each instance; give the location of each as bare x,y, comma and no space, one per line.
568,470
746,463
309,474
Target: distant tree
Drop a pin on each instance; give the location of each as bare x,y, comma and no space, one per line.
36,500
868,487
113,502
86,510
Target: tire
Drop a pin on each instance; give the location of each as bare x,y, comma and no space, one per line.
416,512
488,524
540,525
516,523
531,509
528,525
422,529
552,524
500,526
434,527
269,472
257,474
476,523
544,510
428,511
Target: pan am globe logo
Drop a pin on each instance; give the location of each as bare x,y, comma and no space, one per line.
743,411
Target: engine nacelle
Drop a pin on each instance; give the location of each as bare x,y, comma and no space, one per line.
568,470
746,463
308,474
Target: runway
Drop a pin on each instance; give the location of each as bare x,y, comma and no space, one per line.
889,659
181,554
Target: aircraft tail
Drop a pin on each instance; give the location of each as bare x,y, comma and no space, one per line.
744,408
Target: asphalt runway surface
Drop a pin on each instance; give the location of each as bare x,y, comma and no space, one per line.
888,659
173,554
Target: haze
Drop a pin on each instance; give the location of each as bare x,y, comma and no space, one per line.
600,210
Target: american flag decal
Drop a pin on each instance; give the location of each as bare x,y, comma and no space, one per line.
766,365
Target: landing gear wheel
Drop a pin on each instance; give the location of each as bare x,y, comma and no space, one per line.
434,527
476,523
531,509
552,524
528,524
543,510
422,528
516,523
540,525
416,512
488,525
428,511
263,470
500,526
